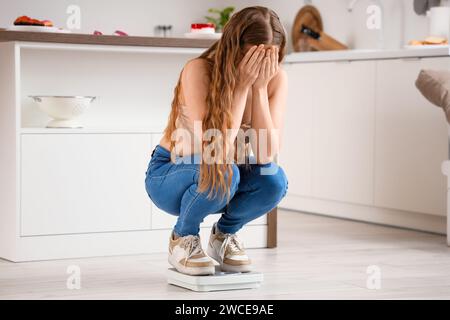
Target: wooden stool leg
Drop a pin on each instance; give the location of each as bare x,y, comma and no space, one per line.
272,229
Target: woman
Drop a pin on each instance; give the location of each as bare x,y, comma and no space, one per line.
236,84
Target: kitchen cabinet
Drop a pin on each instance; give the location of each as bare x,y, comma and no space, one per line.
362,143
296,154
343,131
79,183
328,148
410,140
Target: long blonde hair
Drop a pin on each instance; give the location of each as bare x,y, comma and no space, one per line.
252,25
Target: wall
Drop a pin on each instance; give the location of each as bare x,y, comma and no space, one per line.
351,28
138,17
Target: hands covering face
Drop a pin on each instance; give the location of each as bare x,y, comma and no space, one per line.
258,66
268,68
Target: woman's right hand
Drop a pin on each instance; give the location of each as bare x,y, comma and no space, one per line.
248,68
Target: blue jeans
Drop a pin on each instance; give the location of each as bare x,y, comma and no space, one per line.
173,188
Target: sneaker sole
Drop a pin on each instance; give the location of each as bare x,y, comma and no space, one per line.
227,267
192,271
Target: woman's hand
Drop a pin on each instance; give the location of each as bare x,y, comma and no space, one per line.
269,68
249,67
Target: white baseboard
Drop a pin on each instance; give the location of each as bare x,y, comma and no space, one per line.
389,217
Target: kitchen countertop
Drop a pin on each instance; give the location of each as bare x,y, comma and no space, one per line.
363,54
295,57
78,38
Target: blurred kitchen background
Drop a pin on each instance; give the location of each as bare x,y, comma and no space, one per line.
139,17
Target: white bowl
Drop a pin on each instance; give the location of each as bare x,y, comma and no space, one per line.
64,110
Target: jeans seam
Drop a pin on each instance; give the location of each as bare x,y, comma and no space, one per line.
188,209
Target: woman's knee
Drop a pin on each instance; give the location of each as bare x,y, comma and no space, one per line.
274,182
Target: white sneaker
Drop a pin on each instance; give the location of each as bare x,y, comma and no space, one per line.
187,256
228,251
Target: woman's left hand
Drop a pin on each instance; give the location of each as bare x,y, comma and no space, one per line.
269,68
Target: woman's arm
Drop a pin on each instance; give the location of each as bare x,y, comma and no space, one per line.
248,71
195,86
269,95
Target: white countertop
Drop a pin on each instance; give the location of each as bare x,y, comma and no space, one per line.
368,54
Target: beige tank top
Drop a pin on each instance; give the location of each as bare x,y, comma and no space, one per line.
188,137
188,141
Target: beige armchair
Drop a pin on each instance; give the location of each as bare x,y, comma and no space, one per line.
435,86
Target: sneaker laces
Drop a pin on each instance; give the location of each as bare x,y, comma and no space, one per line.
193,245
231,241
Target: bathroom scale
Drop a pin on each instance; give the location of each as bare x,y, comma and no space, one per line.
217,282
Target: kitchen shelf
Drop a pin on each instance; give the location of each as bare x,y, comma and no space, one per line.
148,74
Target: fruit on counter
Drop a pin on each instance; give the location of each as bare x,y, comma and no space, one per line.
116,33
208,27
415,43
120,33
429,41
27,21
435,40
47,23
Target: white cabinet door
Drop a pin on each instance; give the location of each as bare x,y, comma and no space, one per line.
411,140
164,220
343,131
83,183
296,152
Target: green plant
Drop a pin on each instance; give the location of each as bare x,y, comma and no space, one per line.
222,19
